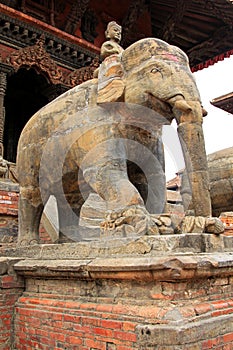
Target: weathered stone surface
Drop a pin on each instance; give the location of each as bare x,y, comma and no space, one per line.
199,224
164,335
221,180
163,268
3,266
7,265
53,268
162,245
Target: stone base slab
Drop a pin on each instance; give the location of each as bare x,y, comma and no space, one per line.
145,245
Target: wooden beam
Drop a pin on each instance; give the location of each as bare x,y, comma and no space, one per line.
167,33
136,9
218,8
216,43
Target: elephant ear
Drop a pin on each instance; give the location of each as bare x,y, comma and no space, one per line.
110,80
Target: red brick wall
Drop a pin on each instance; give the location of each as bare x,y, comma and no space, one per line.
10,289
70,324
9,216
124,315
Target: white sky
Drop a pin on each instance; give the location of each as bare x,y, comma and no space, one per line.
212,82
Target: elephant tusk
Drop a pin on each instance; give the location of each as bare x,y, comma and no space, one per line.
179,103
183,106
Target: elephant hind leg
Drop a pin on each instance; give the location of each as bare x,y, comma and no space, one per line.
29,218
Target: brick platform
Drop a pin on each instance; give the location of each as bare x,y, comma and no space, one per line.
161,293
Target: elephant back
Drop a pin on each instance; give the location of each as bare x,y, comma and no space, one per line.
143,50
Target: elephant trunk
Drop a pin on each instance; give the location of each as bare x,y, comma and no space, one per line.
189,118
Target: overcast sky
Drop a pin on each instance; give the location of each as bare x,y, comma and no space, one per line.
212,82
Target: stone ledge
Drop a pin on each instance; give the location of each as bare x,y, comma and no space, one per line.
170,268
8,185
191,333
121,247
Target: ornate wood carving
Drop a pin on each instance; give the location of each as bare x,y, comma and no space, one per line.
82,74
168,31
75,15
63,51
136,9
36,56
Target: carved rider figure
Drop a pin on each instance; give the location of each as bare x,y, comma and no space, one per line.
110,72
111,46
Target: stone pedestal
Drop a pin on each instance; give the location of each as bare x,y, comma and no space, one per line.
162,292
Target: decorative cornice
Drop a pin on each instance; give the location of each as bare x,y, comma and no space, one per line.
61,46
36,56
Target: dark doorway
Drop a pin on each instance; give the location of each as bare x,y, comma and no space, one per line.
24,96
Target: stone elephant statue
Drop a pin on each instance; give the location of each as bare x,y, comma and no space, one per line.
77,143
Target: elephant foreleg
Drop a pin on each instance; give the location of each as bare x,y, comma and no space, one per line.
192,142
29,221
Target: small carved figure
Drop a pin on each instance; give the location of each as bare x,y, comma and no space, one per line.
111,46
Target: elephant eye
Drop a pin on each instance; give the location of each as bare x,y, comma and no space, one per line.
155,70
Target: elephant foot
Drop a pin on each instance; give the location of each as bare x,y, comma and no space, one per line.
200,224
132,221
24,242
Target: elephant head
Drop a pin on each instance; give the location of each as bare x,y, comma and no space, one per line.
155,74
